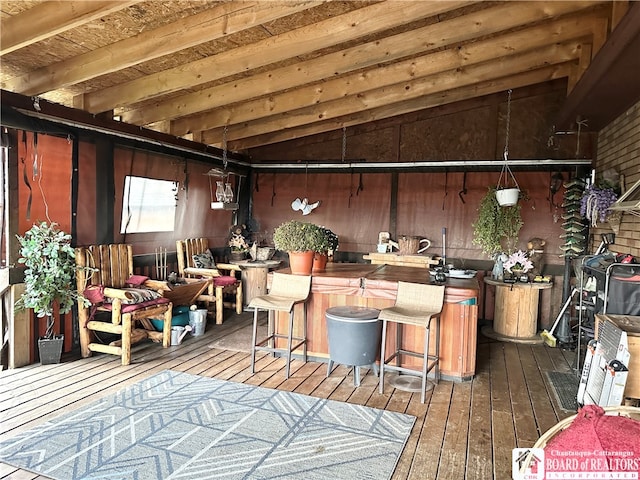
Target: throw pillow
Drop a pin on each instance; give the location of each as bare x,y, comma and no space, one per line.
94,293
204,260
136,280
138,295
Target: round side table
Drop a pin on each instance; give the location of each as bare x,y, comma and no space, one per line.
516,311
254,277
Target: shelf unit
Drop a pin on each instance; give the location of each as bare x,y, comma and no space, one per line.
594,296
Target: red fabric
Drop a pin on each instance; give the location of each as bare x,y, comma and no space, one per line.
136,280
595,442
224,281
94,293
137,306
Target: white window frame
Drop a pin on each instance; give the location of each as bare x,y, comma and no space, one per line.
148,205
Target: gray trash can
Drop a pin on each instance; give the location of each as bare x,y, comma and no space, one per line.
353,334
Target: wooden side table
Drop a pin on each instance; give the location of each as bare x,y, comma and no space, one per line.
254,277
516,311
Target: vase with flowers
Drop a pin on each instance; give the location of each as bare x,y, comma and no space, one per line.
518,264
238,243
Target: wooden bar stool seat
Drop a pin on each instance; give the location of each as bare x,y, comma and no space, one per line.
286,291
416,304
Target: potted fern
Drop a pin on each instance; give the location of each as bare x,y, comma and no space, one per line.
497,227
49,279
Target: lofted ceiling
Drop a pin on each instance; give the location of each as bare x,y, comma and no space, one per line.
259,72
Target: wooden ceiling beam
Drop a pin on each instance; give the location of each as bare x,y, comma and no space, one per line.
52,18
485,22
399,92
300,41
211,24
488,87
610,85
473,53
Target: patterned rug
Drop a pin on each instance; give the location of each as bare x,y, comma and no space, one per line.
175,425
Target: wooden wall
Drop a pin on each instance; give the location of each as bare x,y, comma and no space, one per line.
424,202
99,205
468,130
619,149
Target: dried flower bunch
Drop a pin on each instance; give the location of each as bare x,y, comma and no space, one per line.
595,203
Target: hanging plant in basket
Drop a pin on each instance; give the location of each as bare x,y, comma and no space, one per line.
507,194
595,203
496,229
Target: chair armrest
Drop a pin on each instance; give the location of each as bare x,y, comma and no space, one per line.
117,293
203,272
157,285
228,266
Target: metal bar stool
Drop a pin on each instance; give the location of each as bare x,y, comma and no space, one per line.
286,290
416,304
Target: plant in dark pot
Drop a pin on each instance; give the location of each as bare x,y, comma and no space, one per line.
300,240
329,245
49,279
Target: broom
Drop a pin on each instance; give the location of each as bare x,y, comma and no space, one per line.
548,336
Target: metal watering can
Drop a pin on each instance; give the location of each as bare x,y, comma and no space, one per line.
178,333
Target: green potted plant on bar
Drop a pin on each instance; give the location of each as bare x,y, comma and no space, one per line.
329,245
49,279
300,240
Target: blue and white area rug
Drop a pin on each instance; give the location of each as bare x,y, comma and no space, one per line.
179,426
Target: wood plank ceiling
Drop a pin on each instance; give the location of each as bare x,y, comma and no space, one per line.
262,72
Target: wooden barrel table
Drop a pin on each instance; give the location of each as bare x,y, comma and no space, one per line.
516,311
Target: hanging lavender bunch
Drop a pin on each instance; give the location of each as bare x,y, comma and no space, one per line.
595,204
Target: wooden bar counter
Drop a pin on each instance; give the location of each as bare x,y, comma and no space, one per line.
376,286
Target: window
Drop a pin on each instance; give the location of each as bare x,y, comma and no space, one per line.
148,205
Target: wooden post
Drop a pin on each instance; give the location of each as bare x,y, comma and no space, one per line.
19,329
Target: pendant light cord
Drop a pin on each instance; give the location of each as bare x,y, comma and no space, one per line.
344,143
505,166
224,148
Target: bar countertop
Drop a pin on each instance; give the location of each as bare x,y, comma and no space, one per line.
382,280
376,286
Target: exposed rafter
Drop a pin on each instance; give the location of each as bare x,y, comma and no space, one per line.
279,70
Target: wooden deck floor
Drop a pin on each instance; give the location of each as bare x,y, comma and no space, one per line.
463,431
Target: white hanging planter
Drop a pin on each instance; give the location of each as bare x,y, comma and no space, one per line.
507,197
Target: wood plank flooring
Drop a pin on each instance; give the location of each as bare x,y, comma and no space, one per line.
463,431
